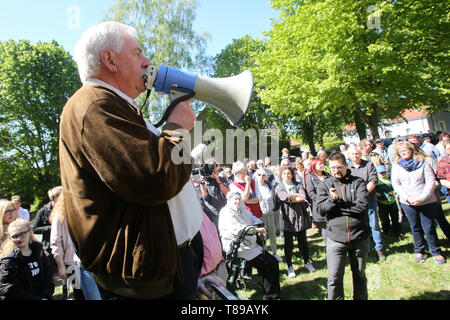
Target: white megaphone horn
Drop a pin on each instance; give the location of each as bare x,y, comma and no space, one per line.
231,95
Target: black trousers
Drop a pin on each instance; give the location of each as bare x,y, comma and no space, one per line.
268,268
302,243
388,214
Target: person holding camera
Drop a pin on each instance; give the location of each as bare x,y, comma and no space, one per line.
214,189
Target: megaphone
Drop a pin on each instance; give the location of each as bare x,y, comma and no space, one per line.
231,95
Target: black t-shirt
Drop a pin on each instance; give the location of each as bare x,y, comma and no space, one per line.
34,269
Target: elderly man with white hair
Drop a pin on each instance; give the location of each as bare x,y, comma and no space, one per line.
118,175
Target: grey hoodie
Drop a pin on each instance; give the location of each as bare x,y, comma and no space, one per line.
419,184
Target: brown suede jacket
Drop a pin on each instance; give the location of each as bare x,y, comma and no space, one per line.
117,177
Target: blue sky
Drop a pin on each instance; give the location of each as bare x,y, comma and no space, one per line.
44,20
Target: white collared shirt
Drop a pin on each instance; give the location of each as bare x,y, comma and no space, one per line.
185,208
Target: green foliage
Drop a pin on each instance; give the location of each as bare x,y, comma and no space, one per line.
164,30
232,60
331,142
331,58
35,83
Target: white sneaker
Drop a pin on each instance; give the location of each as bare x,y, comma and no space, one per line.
277,257
309,267
291,272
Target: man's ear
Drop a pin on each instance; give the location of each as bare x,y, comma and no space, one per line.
109,60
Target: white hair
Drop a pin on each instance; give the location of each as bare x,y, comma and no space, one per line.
106,35
238,166
54,192
353,148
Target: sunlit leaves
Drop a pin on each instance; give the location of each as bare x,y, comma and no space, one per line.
36,81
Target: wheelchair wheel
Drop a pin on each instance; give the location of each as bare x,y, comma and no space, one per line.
240,284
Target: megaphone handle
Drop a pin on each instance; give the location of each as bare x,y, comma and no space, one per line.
172,105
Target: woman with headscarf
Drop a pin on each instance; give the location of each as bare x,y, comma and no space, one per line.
233,219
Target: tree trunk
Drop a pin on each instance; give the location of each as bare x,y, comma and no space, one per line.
308,133
360,126
373,122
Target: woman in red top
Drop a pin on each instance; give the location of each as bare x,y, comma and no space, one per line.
443,168
245,185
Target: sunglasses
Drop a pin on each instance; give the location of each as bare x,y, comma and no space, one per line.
19,235
259,174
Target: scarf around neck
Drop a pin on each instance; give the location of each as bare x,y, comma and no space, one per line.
411,164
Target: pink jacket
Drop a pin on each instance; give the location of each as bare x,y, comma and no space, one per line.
60,242
212,248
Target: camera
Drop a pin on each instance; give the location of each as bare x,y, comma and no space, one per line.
207,170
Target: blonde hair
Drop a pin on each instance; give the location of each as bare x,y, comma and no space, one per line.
58,209
416,154
3,205
9,245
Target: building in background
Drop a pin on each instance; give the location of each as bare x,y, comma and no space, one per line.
416,122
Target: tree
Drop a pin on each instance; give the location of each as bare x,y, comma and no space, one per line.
164,30
35,83
352,60
232,60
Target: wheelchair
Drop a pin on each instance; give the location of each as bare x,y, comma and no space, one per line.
236,265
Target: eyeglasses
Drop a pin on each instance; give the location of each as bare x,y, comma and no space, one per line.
19,235
337,168
10,211
404,151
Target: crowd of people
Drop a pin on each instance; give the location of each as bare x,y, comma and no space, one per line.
331,193
128,223
354,197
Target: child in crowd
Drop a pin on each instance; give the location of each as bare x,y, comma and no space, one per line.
387,205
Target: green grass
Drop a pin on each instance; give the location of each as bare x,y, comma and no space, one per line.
398,278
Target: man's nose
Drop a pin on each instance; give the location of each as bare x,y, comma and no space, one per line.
146,62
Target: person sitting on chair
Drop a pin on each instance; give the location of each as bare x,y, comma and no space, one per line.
234,218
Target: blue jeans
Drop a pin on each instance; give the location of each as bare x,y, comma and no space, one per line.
421,219
88,285
374,223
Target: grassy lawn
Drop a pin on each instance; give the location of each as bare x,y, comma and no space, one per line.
398,278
